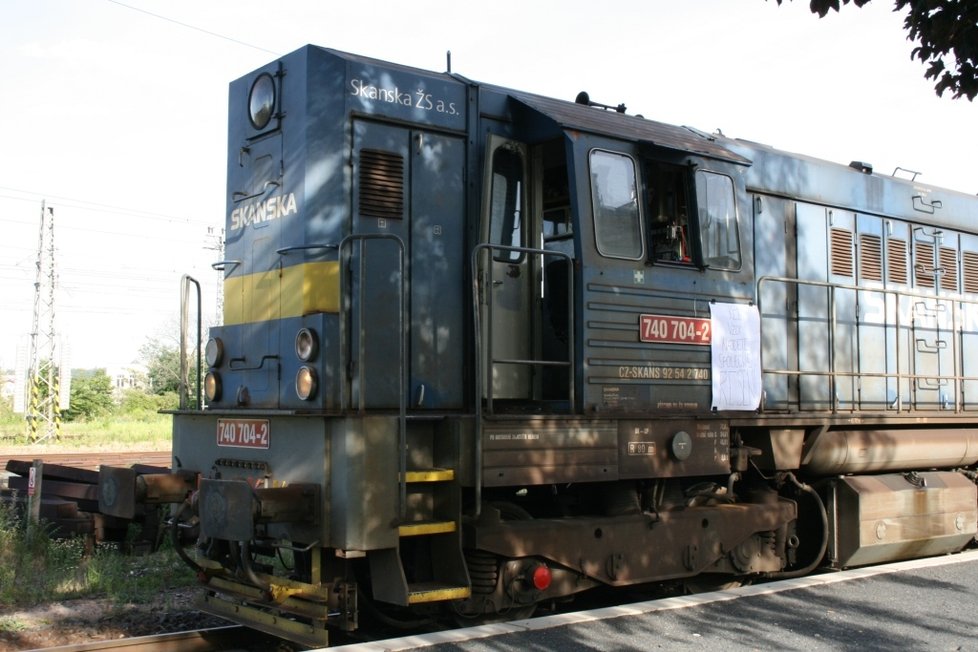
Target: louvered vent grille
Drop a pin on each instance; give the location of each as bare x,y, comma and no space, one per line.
870,257
842,252
923,264
949,265
381,184
970,271
896,261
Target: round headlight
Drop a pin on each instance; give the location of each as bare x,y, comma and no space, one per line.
305,383
261,101
212,386
306,344
214,352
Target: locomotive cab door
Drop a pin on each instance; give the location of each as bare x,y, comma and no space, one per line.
408,204
506,273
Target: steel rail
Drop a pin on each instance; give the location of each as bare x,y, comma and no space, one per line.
90,460
230,637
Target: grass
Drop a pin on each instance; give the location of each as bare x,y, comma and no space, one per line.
140,429
10,624
36,568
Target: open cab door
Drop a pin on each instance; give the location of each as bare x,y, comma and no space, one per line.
505,274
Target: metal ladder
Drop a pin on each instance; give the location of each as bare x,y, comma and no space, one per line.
427,564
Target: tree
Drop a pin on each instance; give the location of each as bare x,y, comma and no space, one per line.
947,32
91,395
162,362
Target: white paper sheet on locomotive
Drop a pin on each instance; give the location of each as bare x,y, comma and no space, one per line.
736,356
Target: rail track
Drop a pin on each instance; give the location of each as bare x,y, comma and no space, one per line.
91,459
218,639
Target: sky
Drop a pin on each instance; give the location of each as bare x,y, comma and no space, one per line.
114,114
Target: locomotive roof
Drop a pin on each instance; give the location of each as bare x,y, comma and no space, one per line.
855,187
766,169
571,115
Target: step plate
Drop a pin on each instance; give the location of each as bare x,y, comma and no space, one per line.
430,475
422,528
425,592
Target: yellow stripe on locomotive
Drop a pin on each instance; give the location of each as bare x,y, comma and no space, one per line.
293,291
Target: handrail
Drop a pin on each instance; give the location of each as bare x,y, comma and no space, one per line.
285,251
345,272
185,282
222,265
891,301
485,375
484,364
240,363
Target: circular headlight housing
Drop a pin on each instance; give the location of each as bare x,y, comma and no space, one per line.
305,383
306,344
261,101
212,386
214,351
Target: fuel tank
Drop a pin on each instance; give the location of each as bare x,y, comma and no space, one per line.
883,518
866,451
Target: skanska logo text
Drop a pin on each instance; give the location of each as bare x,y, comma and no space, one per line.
266,210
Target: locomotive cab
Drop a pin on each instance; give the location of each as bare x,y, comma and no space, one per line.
647,214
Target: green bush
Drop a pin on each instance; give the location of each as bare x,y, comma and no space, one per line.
137,403
136,400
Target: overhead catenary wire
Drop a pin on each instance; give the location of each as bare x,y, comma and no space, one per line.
183,231
195,28
84,204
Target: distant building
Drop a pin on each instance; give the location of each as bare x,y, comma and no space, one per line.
124,378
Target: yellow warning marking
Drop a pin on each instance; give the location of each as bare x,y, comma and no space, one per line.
281,293
426,527
439,595
430,475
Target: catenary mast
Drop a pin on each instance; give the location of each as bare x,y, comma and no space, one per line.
47,383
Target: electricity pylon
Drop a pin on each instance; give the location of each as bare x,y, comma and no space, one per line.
47,379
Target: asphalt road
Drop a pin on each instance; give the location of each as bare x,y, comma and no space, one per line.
922,605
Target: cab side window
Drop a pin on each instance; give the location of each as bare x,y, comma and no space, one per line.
718,227
614,196
506,207
668,209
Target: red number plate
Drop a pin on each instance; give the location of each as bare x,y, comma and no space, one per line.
674,330
244,433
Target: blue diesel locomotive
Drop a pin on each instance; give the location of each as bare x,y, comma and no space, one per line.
483,350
